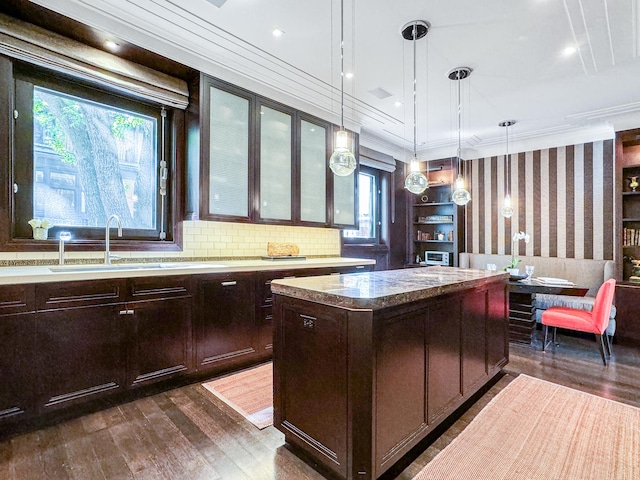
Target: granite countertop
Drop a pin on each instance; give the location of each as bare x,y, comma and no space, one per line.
376,290
58,273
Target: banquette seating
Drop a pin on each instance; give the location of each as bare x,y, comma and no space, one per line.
582,272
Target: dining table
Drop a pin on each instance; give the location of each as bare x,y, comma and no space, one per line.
522,308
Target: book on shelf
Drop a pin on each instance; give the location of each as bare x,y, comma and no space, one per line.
630,237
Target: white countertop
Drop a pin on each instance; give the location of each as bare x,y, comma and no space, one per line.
59,273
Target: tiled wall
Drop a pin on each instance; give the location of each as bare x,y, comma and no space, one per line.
563,197
220,239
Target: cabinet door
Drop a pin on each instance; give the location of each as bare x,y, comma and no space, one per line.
443,356
159,339
79,355
474,324
226,145
313,173
275,164
17,338
225,327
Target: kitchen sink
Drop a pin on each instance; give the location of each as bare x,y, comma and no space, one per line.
131,266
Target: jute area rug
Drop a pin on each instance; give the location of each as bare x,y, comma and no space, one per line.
534,429
249,392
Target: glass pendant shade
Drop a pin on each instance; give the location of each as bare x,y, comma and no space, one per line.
342,161
461,195
507,208
416,182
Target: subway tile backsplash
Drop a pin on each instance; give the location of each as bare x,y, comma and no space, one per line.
203,240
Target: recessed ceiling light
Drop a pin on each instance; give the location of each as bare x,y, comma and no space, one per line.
348,75
398,103
567,52
276,32
111,45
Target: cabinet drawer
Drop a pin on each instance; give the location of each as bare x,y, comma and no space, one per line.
53,296
17,299
157,288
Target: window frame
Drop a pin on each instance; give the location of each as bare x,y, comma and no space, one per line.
15,75
378,207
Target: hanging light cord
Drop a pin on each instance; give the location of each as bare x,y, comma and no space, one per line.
506,177
415,115
342,64
459,125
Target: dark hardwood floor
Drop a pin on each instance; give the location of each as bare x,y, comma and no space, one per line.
187,433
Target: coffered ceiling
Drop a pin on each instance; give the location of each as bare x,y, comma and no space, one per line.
517,50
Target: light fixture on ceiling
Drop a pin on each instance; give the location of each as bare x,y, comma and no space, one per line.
507,207
416,182
342,161
276,32
460,195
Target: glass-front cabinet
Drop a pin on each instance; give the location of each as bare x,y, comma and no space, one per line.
276,141
228,166
313,172
261,161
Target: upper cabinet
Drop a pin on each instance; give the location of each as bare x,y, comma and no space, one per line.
226,168
275,164
314,146
261,161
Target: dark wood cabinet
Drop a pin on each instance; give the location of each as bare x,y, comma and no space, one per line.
158,329
271,162
66,343
627,319
225,327
99,337
79,342
17,341
79,355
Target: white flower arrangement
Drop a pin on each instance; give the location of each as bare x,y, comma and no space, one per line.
517,237
40,223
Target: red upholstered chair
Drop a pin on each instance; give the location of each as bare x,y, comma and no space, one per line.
595,321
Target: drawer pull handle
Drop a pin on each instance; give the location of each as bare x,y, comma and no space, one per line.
229,284
126,312
360,266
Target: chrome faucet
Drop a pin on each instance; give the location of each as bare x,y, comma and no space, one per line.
107,253
63,237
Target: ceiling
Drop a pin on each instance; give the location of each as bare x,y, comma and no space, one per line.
515,49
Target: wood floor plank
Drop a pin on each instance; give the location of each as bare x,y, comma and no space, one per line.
82,459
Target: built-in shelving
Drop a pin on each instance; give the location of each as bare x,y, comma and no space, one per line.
447,220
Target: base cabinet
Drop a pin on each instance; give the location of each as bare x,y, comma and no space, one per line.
80,355
627,320
225,331
17,338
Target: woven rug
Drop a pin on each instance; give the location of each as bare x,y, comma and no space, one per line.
534,429
249,392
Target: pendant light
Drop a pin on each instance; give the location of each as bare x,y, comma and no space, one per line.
342,161
416,182
507,207
460,195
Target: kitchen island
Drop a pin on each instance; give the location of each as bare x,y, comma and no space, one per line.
366,365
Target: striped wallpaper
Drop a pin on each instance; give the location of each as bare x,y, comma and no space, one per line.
563,198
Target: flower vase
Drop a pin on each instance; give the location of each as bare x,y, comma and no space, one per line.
40,233
633,183
514,272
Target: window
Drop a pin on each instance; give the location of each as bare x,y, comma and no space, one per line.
369,184
83,154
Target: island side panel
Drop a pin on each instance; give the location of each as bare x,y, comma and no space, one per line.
311,379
